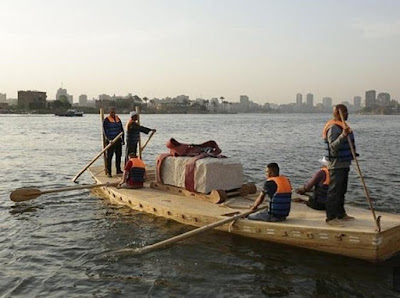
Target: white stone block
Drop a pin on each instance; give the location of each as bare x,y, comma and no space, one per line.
210,173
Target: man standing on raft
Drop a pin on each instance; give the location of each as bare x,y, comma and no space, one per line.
339,157
133,130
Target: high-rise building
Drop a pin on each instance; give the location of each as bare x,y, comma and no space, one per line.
370,98
357,102
299,100
327,103
383,99
32,99
63,92
244,99
83,100
244,103
310,100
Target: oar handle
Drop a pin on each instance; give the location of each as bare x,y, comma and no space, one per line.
78,187
186,235
97,156
148,140
366,193
137,109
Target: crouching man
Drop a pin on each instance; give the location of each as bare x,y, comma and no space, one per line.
279,191
134,173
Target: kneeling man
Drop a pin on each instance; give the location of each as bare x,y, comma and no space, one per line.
134,173
279,191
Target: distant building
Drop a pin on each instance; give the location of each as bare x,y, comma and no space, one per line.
310,100
299,100
327,104
383,99
83,100
357,102
182,98
3,97
32,100
105,97
287,108
370,98
244,103
63,93
244,99
12,101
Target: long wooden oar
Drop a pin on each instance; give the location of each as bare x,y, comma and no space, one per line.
25,194
353,152
97,156
137,109
103,140
148,140
170,241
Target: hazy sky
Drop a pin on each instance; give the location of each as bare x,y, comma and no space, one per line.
268,50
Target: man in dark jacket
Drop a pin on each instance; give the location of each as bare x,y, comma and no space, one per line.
133,130
112,126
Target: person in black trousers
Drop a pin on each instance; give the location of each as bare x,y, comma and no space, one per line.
112,126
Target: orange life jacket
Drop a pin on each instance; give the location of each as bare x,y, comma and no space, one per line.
344,151
327,176
113,120
279,204
136,172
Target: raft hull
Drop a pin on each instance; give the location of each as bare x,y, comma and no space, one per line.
304,227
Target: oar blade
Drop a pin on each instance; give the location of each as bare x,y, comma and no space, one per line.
24,194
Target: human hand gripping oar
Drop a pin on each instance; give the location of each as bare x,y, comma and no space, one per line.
170,241
25,194
97,156
353,152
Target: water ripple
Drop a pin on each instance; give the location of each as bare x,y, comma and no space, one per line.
55,245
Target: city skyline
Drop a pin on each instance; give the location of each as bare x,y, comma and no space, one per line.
268,50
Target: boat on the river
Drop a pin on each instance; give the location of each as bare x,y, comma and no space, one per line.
305,227
70,113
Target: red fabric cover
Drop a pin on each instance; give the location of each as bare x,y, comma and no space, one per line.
160,160
179,149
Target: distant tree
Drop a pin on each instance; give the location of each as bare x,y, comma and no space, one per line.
214,105
62,103
186,101
137,99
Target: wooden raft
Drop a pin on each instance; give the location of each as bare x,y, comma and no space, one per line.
305,227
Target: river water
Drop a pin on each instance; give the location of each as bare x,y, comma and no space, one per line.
53,246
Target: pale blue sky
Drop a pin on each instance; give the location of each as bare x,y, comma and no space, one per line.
269,50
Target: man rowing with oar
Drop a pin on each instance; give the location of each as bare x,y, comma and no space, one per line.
133,130
339,156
